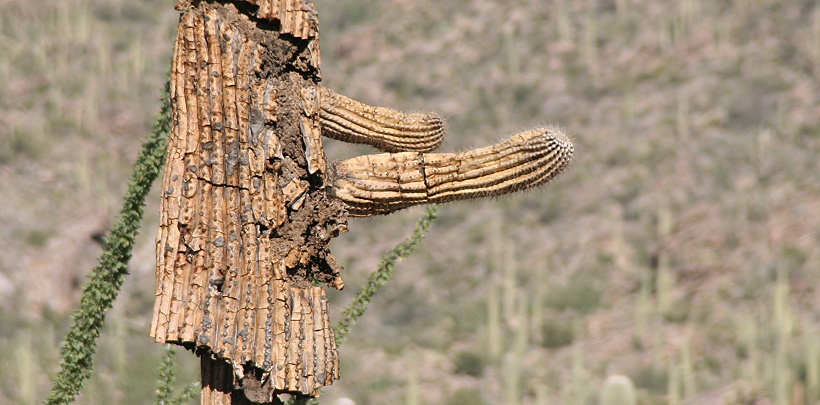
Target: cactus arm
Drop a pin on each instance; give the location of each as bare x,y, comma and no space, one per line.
386,129
383,183
380,184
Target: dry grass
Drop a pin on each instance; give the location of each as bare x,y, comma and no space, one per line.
679,250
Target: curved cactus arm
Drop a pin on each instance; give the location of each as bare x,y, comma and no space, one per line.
383,183
386,129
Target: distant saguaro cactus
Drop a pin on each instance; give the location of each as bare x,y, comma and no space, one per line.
249,202
618,390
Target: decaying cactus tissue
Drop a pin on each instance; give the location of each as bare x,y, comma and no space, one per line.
249,202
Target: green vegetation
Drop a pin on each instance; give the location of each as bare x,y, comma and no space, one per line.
382,275
106,279
167,381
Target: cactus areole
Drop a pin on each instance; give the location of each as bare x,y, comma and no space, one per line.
249,202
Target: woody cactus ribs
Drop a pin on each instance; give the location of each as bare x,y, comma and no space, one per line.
249,201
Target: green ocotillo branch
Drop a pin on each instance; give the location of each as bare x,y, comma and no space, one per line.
382,275
107,277
375,282
167,381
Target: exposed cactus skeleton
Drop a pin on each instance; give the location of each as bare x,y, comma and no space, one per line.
249,202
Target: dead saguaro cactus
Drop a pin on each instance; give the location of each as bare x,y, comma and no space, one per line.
249,201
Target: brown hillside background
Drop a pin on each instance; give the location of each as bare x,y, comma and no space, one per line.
681,249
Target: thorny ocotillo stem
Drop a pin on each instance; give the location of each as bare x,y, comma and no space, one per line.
382,275
167,381
383,183
106,279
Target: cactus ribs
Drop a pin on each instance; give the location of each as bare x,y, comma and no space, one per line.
249,202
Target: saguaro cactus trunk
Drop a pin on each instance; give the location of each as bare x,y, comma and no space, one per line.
249,202
245,219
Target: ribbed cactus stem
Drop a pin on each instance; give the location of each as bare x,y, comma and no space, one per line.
386,129
383,183
249,202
